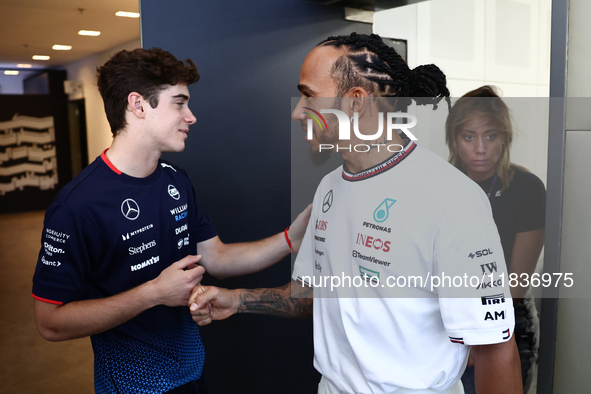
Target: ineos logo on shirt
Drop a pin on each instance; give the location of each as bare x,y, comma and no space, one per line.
370,242
174,193
327,202
130,209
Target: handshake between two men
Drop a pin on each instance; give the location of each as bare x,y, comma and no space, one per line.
209,303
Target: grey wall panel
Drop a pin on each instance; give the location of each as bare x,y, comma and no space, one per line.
573,344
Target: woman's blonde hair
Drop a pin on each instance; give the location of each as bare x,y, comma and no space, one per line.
483,101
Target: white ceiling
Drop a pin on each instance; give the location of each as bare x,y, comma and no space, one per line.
32,27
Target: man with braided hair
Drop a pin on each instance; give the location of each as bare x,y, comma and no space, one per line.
394,210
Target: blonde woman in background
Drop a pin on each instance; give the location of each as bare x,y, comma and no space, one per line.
479,133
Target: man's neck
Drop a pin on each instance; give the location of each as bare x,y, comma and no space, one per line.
131,158
379,152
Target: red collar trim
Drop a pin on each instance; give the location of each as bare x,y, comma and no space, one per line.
380,168
108,162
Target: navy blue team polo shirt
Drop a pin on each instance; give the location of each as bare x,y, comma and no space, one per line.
107,232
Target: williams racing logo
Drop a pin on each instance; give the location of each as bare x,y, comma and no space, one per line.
179,212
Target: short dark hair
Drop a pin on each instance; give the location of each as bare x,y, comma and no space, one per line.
145,71
371,64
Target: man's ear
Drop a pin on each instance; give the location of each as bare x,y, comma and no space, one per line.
136,104
358,100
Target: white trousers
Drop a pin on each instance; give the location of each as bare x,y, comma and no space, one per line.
325,387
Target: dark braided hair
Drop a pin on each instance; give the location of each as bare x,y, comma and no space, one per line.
379,69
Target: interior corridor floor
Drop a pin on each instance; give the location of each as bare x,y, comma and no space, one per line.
29,363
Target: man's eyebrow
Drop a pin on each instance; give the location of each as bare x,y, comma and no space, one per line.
306,90
183,96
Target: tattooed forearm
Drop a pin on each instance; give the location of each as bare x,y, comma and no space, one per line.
277,302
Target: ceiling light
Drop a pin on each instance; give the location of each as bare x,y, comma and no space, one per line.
24,65
128,14
92,33
10,72
61,47
40,57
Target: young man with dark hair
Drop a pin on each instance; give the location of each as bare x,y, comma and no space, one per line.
118,260
416,216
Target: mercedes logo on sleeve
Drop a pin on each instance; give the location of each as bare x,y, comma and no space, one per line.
327,202
174,193
130,209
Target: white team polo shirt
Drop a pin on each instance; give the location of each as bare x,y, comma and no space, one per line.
414,215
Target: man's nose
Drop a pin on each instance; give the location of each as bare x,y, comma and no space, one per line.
190,118
298,112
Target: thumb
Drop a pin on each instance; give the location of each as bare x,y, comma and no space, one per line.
185,262
201,296
197,291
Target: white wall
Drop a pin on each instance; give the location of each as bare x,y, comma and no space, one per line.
501,42
99,135
505,43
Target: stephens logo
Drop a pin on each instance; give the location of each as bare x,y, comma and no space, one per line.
345,128
140,249
382,212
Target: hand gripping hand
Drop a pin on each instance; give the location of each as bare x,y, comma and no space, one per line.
208,303
174,285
